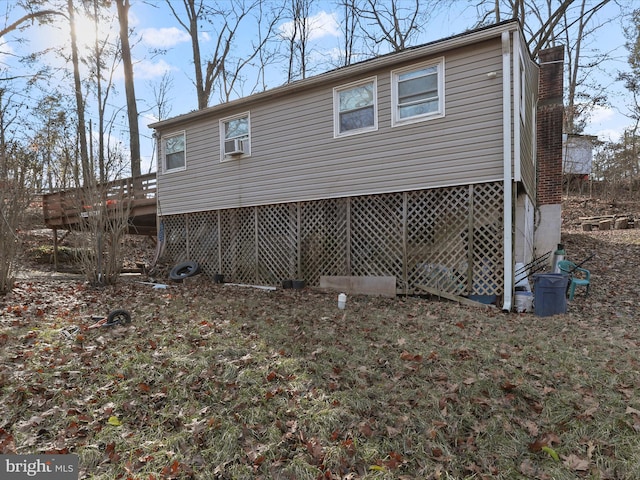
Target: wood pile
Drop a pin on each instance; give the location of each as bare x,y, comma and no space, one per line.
608,222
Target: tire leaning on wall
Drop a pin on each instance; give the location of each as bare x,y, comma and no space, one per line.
184,270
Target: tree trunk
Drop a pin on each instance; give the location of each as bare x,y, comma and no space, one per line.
132,108
87,175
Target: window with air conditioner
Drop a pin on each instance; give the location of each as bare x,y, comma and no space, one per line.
355,108
234,147
235,137
417,92
173,152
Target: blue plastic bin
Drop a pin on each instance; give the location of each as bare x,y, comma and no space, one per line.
550,294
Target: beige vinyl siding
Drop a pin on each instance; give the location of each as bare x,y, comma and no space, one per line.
527,138
294,156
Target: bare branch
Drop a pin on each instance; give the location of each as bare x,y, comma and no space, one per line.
29,16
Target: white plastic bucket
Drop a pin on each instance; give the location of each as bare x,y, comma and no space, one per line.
521,277
342,301
523,302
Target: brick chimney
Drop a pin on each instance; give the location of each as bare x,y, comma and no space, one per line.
549,126
549,150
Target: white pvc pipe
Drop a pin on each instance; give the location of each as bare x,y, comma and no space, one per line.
508,183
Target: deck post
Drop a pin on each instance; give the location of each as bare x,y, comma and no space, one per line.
55,249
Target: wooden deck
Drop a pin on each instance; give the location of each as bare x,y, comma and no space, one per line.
65,210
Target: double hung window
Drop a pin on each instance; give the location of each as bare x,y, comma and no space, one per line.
355,108
418,92
174,152
235,136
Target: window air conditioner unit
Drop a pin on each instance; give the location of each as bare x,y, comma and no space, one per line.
233,147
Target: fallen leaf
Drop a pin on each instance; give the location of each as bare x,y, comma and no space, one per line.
408,357
395,460
315,450
7,445
632,411
531,427
545,440
143,387
589,412
113,420
527,469
508,386
576,463
392,431
591,447
551,452
365,429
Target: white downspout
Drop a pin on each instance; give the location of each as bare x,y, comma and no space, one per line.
508,183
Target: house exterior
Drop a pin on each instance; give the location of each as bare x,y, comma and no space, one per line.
577,161
420,165
577,154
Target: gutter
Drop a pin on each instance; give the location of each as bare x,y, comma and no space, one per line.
508,183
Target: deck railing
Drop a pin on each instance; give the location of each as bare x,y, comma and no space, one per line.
66,208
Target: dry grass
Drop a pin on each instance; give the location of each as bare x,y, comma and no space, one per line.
221,382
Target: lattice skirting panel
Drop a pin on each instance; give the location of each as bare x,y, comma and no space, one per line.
449,239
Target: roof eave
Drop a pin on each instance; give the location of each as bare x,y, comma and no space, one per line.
361,68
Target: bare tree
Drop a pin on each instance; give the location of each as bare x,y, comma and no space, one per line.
105,213
573,23
544,21
628,149
231,74
103,86
293,34
29,17
87,175
52,136
14,193
298,38
225,18
349,27
160,91
129,86
266,28
19,169
394,23
582,92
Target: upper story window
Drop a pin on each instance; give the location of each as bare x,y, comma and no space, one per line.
174,152
355,108
235,136
418,92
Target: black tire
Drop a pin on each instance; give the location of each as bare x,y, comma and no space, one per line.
298,284
184,270
118,317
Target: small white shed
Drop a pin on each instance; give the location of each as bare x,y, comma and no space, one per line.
577,154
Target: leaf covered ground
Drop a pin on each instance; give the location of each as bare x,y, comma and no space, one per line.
222,382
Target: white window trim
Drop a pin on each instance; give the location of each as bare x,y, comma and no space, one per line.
222,121
164,157
395,120
336,108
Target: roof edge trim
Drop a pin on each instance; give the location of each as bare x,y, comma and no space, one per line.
432,48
